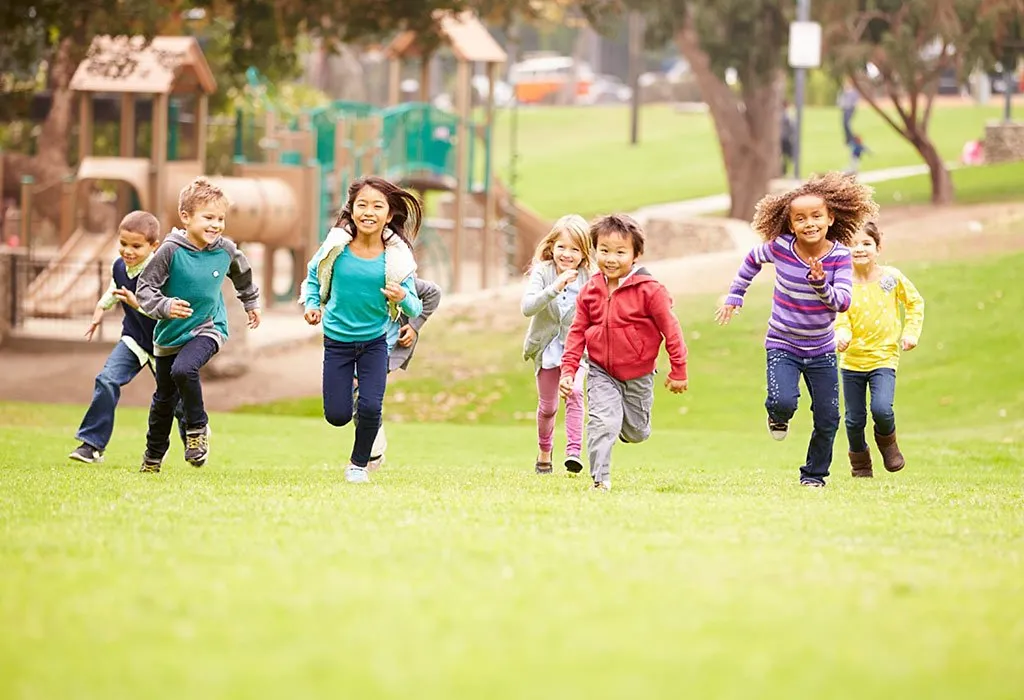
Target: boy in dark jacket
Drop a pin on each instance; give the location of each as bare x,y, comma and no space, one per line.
621,317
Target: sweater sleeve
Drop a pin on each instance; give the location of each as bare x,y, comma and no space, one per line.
752,264
411,305
575,342
913,305
660,309
839,293
108,300
240,273
152,279
310,290
537,296
430,294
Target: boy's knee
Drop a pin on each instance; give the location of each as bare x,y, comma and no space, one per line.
337,417
182,373
782,404
369,413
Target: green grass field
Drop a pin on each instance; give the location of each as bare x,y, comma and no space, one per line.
580,160
974,185
707,572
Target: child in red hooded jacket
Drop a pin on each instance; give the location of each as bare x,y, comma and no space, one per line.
621,317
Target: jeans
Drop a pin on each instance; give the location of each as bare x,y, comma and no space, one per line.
547,410
341,362
882,382
177,378
822,380
121,367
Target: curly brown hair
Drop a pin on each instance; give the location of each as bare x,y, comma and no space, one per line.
850,202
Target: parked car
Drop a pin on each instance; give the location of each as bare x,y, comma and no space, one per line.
607,89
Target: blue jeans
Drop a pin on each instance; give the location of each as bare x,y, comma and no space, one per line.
822,380
121,367
882,382
177,379
341,362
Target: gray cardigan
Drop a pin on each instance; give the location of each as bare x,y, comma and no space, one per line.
538,305
430,294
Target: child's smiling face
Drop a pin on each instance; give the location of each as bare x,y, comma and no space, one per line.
370,211
134,247
206,224
615,254
810,219
566,253
864,250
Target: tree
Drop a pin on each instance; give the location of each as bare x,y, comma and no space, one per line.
714,36
911,43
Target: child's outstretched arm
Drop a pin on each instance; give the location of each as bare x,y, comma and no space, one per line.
106,302
836,296
149,290
240,273
660,309
843,331
575,344
751,265
913,305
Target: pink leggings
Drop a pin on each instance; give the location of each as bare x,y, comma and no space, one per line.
547,409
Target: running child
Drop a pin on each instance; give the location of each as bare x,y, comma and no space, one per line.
870,336
182,289
622,315
561,266
360,279
805,232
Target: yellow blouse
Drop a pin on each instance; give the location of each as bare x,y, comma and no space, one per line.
873,324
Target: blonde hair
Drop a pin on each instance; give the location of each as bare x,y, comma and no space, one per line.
197,193
573,225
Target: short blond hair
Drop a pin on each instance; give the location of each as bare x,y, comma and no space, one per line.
197,193
573,225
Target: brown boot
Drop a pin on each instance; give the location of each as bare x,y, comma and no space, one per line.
892,458
860,463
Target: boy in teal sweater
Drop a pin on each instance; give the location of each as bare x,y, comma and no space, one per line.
181,288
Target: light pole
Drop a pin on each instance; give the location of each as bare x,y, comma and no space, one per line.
803,14
804,53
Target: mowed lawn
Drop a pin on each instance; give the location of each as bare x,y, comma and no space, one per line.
707,571
580,159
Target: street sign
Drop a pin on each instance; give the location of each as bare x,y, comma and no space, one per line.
804,44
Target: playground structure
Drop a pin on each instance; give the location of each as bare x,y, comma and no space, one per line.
287,195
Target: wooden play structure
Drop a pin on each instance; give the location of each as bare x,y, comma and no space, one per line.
271,203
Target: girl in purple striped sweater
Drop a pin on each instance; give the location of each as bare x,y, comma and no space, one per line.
805,232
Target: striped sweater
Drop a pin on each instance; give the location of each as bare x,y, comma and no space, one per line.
802,311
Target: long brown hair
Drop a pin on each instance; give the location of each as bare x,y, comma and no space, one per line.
404,207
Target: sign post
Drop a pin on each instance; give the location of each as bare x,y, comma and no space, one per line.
804,53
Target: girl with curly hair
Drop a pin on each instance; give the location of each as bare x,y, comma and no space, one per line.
806,231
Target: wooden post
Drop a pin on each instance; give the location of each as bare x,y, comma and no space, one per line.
489,198
27,181
202,117
126,149
425,78
84,125
270,139
267,291
461,171
158,162
67,208
394,80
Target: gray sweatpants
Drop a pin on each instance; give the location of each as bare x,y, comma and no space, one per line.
615,408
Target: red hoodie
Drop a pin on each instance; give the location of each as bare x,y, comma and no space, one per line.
622,330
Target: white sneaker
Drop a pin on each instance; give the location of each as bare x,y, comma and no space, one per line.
777,430
605,485
356,475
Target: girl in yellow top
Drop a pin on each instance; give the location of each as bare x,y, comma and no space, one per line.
870,337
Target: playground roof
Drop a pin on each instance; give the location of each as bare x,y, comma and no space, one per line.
464,33
167,64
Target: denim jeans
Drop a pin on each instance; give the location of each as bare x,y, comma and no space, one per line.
177,378
822,380
882,382
121,367
341,362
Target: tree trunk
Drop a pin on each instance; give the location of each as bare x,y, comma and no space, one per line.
747,129
942,183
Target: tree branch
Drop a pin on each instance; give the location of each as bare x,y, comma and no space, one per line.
874,104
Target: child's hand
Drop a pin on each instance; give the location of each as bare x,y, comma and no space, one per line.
127,296
92,329
725,313
313,316
677,386
909,344
179,309
817,273
254,318
565,386
394,292
407,336
565,279
842,344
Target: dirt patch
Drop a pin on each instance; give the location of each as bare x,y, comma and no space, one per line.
911,233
